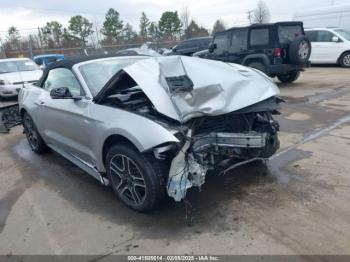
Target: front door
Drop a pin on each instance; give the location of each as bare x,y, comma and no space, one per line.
64,122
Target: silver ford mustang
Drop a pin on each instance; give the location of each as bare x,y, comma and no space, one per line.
152,126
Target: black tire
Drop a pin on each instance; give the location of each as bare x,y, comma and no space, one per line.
140,187
259,66
289,78
300,50
35,141
344,60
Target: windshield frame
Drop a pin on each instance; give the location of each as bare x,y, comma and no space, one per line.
341,31
16,61
82,79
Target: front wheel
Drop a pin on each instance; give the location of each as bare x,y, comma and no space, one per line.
135,178
289,78
345,60
35,141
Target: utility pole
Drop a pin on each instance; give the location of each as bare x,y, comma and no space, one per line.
250,16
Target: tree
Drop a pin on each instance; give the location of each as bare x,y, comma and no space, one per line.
13,37
51,34
129,34
80,27
144,24
170,25
112,26
194,30
261,13
153,31
185,19
218,27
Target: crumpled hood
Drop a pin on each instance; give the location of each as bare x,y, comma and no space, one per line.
217,87
23,76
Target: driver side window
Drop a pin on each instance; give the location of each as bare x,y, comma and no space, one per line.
62,77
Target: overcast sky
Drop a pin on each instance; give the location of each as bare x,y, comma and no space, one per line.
28,14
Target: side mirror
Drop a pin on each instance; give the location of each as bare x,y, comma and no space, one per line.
212,47
174,48
61,93
335,39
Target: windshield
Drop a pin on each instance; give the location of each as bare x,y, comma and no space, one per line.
343,33
287,33
17,66
97,73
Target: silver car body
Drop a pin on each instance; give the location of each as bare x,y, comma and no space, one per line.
12,82
79,129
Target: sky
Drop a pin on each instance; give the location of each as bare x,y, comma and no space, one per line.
27,15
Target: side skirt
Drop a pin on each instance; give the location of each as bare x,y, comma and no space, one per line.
91,170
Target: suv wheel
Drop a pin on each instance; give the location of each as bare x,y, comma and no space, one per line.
34,139
345,60
299,50
135,178
289,78
259,66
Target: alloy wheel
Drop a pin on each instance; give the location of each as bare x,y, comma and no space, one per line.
346,60
304,49
30,131
127,179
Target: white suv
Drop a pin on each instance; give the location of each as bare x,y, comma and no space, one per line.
329,46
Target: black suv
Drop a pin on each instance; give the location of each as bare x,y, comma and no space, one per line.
278,49
190,46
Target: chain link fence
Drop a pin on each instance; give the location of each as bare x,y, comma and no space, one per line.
81,51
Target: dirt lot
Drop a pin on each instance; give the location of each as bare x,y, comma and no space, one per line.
298,204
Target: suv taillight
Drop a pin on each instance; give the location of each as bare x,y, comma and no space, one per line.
278,52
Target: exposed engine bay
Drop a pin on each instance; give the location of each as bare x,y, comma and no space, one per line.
207,142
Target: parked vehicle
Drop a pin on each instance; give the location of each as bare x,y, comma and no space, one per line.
277,49
330,46
190,46
328,16
147,126
16,73
138,51
45,60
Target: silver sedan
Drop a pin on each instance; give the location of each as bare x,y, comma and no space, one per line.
151,127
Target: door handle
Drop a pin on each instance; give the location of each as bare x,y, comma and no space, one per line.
40,103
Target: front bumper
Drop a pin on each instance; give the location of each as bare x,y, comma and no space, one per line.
9,90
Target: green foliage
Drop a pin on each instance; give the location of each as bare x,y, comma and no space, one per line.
153,31
218,27
144,24
80,27
129,34
170,25
194,30
51,34
112,26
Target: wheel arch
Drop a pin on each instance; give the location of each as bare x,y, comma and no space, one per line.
256,58
115,139
345,52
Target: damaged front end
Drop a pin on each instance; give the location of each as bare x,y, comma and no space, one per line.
223,143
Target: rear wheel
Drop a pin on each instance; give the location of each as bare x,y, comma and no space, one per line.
259,66
289,78
135,178
345,60
35,141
